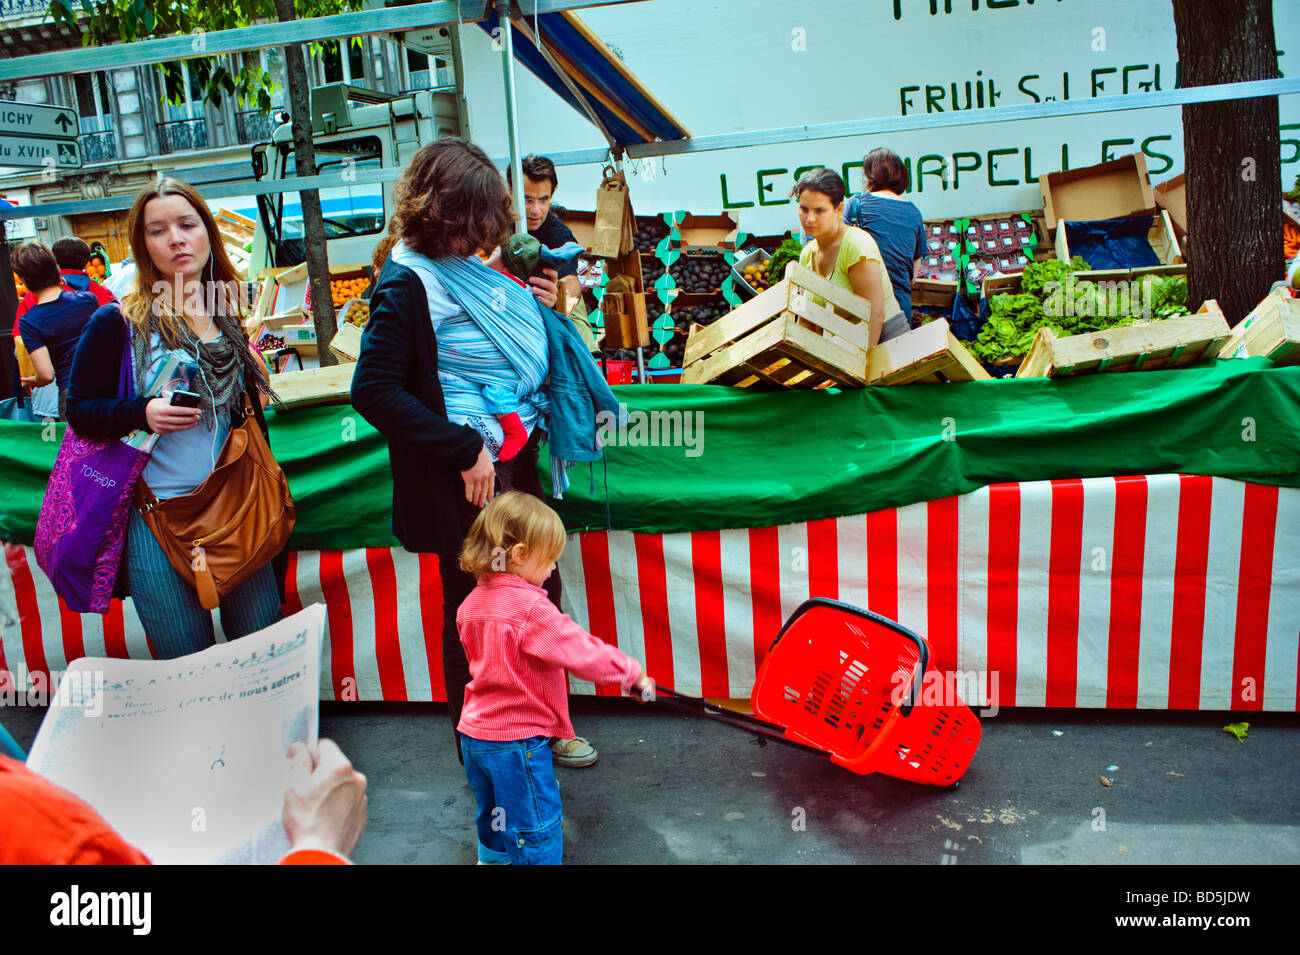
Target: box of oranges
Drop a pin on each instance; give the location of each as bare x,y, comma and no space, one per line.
345,287
293,290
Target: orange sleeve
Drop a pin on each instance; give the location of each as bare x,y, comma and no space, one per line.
312,857
44,824
107,848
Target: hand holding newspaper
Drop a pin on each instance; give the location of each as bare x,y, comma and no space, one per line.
188,758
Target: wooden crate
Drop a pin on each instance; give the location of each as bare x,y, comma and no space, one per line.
274,323
235,227
238,258
1271,330
934,293
1169,343
1000,285
315,386
926,354
346,343
1163,242
264,304
1171,197
763,342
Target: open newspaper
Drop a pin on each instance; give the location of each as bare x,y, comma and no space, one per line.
188,758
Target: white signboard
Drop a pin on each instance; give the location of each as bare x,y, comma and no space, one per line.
28,119
767,64
55,153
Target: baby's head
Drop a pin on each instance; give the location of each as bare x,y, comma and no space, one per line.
515,534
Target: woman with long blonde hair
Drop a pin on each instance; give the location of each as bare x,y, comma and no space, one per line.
184,311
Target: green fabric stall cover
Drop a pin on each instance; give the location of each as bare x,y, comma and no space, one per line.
337,466
707,457
787,457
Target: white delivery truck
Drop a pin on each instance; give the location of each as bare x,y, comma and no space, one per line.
354,131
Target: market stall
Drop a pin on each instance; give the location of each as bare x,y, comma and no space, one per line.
1157,575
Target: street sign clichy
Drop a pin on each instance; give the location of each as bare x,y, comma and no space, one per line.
21,151
29,119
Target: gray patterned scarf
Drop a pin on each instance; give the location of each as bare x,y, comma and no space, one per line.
227,363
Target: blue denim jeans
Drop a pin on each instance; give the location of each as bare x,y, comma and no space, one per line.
520,818
169,608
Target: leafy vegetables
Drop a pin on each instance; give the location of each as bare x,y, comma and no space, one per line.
1053,297
788,251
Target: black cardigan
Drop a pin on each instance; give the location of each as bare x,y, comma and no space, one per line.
395,387
94,409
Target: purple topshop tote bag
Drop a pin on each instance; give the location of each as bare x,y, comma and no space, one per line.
82,526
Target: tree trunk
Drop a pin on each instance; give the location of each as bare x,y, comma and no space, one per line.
1232,155
313,220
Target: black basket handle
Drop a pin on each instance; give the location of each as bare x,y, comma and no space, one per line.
898,628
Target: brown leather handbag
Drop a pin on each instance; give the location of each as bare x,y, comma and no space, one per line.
224,530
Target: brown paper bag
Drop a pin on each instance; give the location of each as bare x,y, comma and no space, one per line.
624,305
25,367
614,231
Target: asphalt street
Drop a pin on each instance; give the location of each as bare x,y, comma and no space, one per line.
679,789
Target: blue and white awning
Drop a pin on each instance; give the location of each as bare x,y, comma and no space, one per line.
578,66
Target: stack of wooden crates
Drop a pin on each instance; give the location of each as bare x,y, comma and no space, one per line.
784,338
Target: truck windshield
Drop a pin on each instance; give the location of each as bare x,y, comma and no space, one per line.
348,210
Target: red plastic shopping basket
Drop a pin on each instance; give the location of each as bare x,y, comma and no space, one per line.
846,684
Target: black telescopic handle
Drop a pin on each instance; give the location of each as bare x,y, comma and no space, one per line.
741,721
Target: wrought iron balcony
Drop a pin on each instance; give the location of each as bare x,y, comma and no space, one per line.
254,126
183,134
23,8
98,147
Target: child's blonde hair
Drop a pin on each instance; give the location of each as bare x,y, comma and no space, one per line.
510,519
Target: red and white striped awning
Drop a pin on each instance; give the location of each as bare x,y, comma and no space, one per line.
1157,592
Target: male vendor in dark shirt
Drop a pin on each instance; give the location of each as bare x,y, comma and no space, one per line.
547,228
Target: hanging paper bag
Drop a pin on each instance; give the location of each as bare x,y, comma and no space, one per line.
613,209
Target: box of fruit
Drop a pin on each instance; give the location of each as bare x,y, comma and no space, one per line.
699,272
291,289
355,311
749,274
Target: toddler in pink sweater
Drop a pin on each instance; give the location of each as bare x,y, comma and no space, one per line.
519,648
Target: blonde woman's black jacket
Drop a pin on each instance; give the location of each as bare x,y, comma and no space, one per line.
395,387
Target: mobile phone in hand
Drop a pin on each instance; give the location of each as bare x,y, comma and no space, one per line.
185,399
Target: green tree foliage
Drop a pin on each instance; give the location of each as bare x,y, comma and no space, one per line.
103,22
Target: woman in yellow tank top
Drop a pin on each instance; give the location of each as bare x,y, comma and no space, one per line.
845,254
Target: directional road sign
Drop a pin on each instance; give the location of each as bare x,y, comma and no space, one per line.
22,151
28,119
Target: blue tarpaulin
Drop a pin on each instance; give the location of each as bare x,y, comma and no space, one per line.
629,113
1112,243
